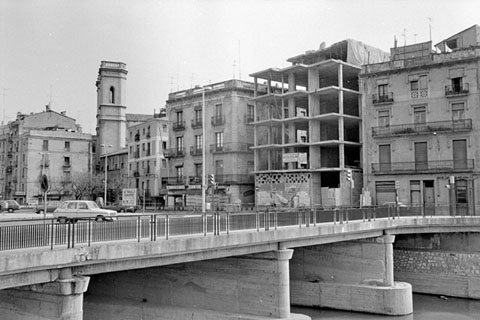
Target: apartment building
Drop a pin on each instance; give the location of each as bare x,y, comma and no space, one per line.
421,125
146,162
46,143
228,138
307,127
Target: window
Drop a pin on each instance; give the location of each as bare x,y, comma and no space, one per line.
66,160
198,169
458,111
384,155
198,116
382,90
179,171
457,84
219,139
218,110
383,118
452,44
45,145
164,163
111,98
250,113
164,128
419,115
198,142
67,145
179,143
143,131
179,117
164,145
418,86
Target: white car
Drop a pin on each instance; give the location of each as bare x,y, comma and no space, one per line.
82,209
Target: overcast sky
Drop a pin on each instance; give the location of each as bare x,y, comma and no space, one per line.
50,50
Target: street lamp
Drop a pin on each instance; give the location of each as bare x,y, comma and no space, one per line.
105,179
203,147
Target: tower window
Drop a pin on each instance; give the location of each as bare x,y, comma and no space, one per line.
112,95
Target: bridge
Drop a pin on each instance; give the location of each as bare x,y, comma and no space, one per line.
245,265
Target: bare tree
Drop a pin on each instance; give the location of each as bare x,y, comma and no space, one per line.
85,186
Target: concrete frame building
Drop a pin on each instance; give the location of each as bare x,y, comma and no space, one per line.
421,126
308,127
229,136
46,143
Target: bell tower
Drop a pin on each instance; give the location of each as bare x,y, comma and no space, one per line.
111,107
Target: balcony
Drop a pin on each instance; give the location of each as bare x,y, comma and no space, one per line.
423,166
231,147
174,153
456,90
194,180
385,98
194,151
421,93
249,118
423,128
136,174
136,154
178,126
137,137
196,123
174,181
218,120
67,164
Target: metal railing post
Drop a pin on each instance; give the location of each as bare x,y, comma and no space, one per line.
139,228
89,229
51,235
166,226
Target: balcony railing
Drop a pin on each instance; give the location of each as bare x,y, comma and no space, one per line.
178,126
196,123
137,137
194,151
423,166
67,164
423,128
456,90
231,147
174,153
136,174
193,180
382,98
174,180
421,93
249,118
218,120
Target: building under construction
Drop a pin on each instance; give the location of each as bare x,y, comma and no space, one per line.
307,128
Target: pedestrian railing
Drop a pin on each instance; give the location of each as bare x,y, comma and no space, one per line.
39,233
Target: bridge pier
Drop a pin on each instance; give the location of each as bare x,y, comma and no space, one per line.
350,275
254,286
61,299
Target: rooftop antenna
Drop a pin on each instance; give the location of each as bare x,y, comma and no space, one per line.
404,37
239,67
415,37
171,84
430,27
233,66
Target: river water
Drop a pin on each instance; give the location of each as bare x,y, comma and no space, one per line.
425,307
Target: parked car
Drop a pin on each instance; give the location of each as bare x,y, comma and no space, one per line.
121,208
51,206
74,210
9,205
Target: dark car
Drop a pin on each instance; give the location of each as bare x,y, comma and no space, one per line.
9,205
40,208
121,208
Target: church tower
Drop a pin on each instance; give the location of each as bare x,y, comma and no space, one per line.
111,107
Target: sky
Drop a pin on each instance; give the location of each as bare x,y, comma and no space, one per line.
50,50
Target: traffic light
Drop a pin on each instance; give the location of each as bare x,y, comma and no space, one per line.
211,179
349,174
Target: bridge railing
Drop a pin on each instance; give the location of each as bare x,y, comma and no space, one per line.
39,233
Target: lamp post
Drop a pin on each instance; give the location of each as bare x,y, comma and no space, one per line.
204,185
105,179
